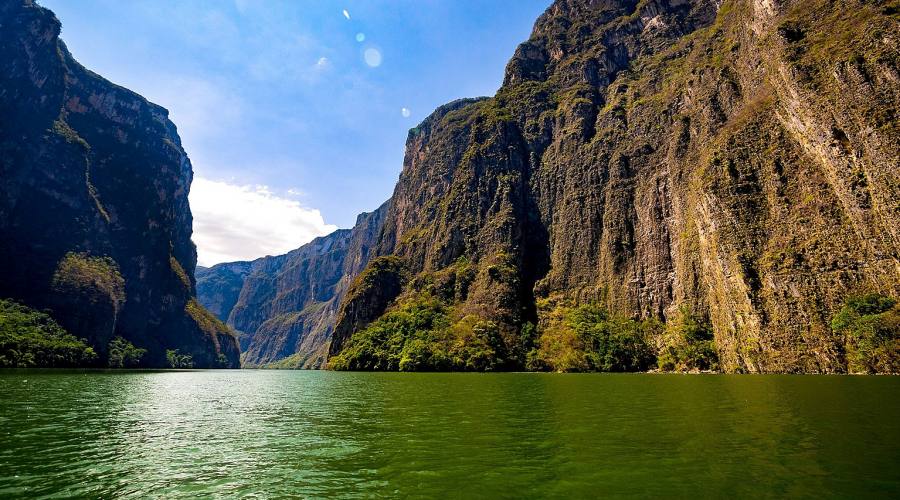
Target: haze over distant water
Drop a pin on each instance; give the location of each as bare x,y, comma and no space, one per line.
304,103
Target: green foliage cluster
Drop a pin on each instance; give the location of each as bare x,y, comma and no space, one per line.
377,267
178,360
588,338
93,278
292,362
870,326
450,284
421,332
123,354
688,345
418,334
29,338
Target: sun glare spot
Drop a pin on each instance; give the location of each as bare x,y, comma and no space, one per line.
405,112
372,57
360,37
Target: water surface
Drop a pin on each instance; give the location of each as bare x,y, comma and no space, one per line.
325,434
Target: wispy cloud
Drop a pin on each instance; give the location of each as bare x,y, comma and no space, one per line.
233,222
200,108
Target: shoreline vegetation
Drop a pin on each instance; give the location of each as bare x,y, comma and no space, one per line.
34,339
420,333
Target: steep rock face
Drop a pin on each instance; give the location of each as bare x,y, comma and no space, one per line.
380,283
94,215
738,158
284,307
277,285
218,287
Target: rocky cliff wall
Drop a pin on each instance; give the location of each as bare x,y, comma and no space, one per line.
737,158
94,216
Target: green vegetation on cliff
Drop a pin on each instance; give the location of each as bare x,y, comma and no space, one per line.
213,328
419,334
588,338
870,326
92,278
178,360
29,338
427,331
123,354
687,344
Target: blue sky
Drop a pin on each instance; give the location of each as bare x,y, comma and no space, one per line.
294,113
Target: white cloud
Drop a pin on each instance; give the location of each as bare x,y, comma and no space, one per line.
234,222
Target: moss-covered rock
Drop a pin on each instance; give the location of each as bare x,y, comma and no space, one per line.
88,296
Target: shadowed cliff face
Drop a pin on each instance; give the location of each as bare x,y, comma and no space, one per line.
218,287
737,158
284,307
94,216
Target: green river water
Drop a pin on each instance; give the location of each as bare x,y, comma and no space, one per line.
264,434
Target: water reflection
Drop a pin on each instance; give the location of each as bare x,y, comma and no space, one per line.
321,434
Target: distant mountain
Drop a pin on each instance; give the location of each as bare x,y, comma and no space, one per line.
284,307
218,287
94,218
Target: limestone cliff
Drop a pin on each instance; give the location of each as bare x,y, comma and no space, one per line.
738,158
94,216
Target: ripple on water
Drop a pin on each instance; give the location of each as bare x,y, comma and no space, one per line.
242,433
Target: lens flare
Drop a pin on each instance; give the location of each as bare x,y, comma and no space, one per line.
372,57
360,37
405,112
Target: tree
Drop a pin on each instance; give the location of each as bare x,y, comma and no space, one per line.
870,327
123,354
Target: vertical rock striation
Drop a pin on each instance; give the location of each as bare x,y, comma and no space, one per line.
738,158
